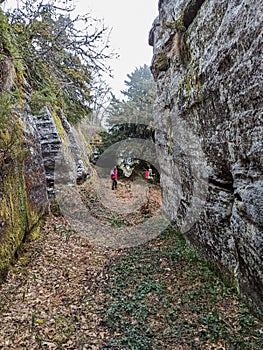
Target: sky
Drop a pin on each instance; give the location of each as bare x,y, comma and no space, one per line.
131,21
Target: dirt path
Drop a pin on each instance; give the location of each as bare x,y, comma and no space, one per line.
65,293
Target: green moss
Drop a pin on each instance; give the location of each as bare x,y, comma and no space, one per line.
61,130
34,233
175,25
8,43
40,99
11,133
13,217
190,87
17,217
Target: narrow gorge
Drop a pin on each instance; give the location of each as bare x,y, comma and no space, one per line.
207,64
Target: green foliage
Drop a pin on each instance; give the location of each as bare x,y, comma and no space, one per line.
131,117
165,291
62,56
137,106
42,98
177,25
64,231
33,319
10,133
117,221
8,45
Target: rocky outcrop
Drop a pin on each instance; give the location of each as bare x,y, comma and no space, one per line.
63,149
208,66
23,194
50,143
38,148
43,149
81,172
35,152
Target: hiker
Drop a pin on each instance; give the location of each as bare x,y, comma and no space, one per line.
146,174
150,175
114,177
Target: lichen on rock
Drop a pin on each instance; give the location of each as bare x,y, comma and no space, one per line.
216,95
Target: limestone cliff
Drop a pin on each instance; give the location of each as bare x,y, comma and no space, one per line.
208,66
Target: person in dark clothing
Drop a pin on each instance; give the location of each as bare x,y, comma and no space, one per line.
114,177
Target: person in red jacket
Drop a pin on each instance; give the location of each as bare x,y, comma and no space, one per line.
149,175
146,174
114,177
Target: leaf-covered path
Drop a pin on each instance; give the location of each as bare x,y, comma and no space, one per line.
64,293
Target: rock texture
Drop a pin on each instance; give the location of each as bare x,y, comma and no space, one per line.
23,199
207,61
46,151
63,148
35,152
23,194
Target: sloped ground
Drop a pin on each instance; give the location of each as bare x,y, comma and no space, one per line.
129,205
65,293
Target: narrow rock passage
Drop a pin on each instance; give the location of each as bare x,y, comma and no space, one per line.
64,293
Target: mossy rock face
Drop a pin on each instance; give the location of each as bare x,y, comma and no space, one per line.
190,89
13,217
161,62
23,187
23,205
176,25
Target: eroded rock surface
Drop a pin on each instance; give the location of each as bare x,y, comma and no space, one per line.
208,66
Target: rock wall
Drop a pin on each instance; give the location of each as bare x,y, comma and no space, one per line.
35,152
23,194
46,150
63,148
207,62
